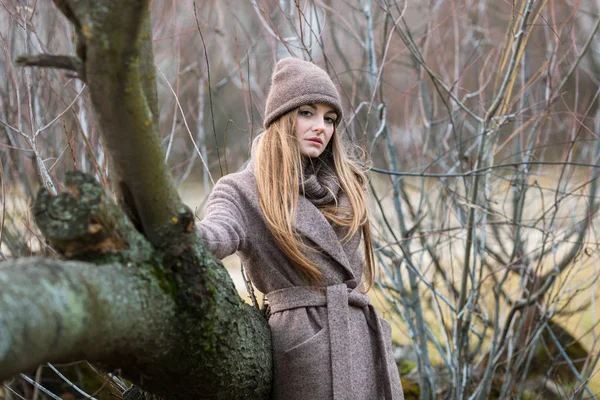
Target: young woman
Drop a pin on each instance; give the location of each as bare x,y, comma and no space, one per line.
296,216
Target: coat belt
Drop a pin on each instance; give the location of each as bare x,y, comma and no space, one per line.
337,299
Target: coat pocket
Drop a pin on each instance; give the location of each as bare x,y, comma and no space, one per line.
304,370
308,343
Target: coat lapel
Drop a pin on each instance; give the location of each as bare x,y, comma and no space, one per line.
312,224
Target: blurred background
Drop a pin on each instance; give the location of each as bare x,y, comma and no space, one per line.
477,119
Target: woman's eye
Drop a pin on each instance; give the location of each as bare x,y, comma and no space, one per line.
305,113
330,120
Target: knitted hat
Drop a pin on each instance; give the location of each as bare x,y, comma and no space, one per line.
295,83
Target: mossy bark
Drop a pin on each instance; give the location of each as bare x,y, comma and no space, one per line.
63,311
115,42
169,318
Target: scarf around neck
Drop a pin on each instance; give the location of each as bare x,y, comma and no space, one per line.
318,183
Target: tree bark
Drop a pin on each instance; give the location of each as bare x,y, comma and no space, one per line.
62,311
115,48
121,316
142,295
171,321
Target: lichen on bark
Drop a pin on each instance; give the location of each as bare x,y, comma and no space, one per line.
83,223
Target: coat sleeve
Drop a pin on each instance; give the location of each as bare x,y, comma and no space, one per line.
223,227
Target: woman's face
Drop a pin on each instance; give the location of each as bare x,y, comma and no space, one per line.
314,127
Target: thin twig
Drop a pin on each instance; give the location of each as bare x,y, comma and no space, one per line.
210,100
64,378
43,128
40,387
186,125
479,171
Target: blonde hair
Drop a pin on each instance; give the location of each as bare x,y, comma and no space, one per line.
278,166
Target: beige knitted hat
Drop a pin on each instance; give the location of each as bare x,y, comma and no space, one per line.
295,83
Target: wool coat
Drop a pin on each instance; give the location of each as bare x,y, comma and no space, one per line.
328,341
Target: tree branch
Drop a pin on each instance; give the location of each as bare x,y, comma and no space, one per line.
68,63
115,46
57,311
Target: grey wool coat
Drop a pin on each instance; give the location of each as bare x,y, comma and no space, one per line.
328,342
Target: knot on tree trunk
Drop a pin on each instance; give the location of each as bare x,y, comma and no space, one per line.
82,219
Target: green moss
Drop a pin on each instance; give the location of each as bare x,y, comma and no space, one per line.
406,366
165,279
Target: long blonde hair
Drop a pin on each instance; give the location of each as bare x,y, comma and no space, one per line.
278,169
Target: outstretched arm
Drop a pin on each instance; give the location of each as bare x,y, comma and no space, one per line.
223,228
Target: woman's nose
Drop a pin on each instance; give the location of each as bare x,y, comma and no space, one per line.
319,125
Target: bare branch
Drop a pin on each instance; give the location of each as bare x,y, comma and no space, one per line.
68,63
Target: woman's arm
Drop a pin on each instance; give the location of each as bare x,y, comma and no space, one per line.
223,227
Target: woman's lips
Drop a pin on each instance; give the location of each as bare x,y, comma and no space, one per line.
316,141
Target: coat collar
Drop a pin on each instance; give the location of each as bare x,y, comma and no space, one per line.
311,223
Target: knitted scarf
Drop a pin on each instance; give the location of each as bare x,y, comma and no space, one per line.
321,185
